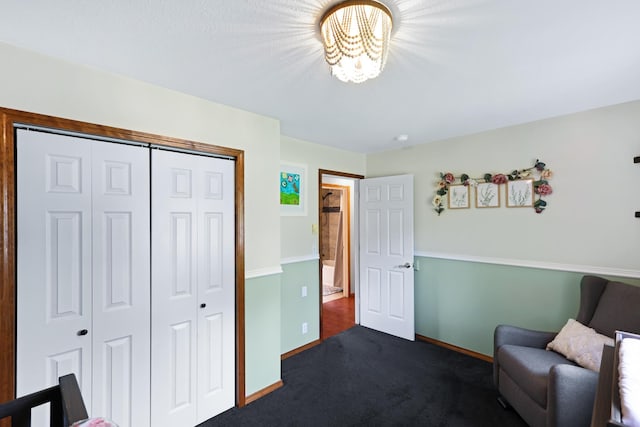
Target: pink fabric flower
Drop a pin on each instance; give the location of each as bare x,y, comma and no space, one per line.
449,178
94,422
499,179
544,189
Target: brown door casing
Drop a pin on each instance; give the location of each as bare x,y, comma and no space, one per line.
337,174
9,119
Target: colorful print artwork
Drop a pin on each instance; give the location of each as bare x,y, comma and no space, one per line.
289,188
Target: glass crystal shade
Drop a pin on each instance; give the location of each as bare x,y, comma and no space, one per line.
356,39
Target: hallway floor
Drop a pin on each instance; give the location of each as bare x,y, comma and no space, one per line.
337,316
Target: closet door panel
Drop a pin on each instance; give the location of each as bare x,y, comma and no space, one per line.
173,322
53,262
216,286
193,303
121,283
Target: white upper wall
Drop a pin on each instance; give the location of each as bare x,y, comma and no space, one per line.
589,220
298,238
40,84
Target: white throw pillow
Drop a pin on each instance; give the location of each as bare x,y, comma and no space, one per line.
629,381
581,344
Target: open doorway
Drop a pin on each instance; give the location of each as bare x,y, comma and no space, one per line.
335,255
337,213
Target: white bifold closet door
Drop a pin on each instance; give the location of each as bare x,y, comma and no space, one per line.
193,298
83,295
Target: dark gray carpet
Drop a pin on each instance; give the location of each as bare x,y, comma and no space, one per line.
366,378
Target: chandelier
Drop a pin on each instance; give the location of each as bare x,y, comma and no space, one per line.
355,34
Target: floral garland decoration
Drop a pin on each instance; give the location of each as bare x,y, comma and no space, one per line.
541,185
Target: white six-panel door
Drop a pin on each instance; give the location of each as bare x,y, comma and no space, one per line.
54,262
386,255
83,271
121,284
193,299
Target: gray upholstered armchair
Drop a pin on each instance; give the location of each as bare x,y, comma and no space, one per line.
544,387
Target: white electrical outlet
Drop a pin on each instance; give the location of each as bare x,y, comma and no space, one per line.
305,328
304,291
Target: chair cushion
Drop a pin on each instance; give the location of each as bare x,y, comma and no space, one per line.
529,368
617,310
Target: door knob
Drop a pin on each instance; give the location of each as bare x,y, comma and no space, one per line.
405,265
82,332
203,305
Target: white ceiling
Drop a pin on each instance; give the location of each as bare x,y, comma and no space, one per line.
455,67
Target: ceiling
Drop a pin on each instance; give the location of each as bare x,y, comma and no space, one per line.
455,67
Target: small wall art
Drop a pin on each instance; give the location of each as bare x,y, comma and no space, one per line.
487,195
293,189
459,197
520,193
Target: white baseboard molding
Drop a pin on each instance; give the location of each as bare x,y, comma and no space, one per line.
304,258
262,272
270,271
586,269
574,268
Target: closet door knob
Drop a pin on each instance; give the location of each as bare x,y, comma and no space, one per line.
82,332
203,305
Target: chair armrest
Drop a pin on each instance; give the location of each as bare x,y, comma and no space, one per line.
514,335
570,387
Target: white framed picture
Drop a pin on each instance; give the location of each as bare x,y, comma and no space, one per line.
520,193
458,196
487,195
293,189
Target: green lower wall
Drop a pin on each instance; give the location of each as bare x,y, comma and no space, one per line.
297,309
262,332
456,302
461,302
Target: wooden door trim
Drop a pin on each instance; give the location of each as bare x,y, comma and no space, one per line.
346,220
9,119
336,174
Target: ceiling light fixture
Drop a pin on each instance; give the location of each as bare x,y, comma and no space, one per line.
355,34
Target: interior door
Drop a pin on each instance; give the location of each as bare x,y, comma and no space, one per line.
83,271
121,332
54,261
193,302
386,255
216,286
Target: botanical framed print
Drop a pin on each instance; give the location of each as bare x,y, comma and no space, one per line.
459,197
293,189
487,195
520,193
